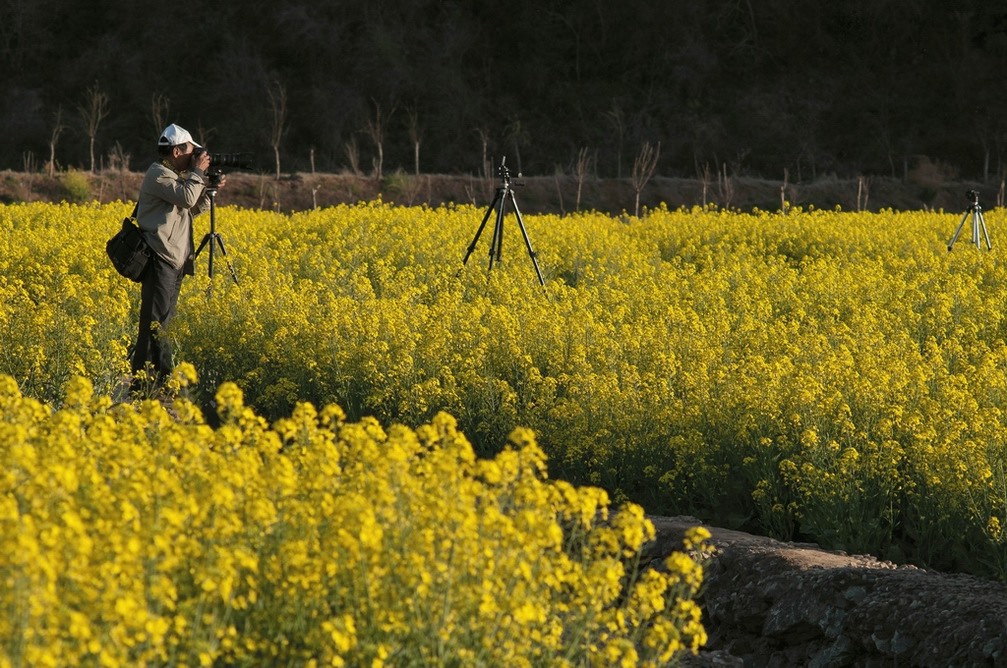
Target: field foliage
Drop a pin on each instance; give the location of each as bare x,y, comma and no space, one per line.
822,375
132,536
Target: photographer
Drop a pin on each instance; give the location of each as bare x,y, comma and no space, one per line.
172,193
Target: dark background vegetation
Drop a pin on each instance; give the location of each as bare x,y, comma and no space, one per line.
751,87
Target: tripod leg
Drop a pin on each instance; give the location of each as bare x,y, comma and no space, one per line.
959,230
202,243
208,239
475,239
220,242
213,230
496,245
527,240
982,222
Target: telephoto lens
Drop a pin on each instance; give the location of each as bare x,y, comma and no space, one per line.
233,160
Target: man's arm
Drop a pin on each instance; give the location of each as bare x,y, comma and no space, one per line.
185,192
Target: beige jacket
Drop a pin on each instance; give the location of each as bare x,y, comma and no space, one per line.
167,203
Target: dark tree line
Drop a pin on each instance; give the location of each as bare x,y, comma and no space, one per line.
753,86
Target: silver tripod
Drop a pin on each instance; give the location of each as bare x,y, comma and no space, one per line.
978,223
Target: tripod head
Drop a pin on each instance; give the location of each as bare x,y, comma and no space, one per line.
505,173
213,177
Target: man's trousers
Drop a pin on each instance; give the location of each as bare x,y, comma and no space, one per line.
158,299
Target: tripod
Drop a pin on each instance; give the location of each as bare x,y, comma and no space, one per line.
978,222
499,204
212,237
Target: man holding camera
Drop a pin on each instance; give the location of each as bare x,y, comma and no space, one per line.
172,193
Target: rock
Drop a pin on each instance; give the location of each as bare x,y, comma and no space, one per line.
772,603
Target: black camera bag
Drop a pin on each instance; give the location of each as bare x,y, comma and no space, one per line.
128,251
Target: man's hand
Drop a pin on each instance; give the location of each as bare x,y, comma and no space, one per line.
201,161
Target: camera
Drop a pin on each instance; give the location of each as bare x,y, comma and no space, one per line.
218,160
232,160
973,196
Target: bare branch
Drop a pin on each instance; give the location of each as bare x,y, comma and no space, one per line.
581,169
617,119
376,131
416,137
643,170
485,167
93,111
278,101
352,149
57,129
160,107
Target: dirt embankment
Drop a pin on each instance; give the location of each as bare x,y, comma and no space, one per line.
769,603
542,194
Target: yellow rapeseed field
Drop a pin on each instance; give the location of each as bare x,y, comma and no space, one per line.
824,375
134,537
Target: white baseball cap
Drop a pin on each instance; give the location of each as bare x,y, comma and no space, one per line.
174,135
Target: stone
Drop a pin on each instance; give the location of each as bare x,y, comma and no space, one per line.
773,603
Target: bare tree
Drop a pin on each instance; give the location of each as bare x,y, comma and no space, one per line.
58,127
204,134
352,149
783,190
559,176
29,165
643,169
118,162
416,137
581,169
484,140
986,157
118,158
517,136
93,111
725,184
376,126
617,119
278,102
704,178
160,107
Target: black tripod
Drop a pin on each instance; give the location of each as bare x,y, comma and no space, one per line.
499,204
212,237
978,223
